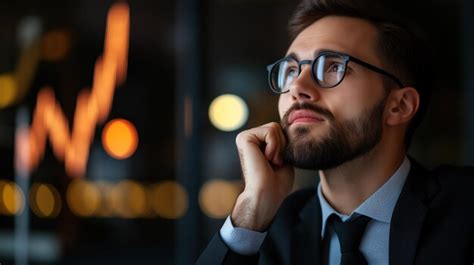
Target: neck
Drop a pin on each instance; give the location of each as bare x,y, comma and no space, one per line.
350,184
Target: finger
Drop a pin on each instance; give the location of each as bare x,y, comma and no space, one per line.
276,129
263,137
272,143
252,145
283,145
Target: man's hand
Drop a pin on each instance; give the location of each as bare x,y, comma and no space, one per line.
267,180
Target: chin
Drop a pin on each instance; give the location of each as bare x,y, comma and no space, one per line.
306,130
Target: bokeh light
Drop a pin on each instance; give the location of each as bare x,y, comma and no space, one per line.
8,90
83,198
129,200
3,210
168,199
228,112
217,197
29,30
120,138
12,199
45,200
105,208
56,45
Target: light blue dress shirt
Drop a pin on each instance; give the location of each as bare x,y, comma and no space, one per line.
375,241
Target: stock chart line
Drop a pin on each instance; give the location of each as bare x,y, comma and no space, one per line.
93,105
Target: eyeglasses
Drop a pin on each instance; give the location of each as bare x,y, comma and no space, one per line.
328,70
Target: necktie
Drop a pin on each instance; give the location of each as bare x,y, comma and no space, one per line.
349,234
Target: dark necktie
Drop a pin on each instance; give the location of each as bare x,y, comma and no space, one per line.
349,234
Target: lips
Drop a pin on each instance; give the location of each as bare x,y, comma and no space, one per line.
304,116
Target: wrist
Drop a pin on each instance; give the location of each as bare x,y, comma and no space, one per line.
254,211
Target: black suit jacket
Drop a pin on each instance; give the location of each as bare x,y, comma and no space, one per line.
432,223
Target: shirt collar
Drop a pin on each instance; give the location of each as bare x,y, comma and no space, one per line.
379,206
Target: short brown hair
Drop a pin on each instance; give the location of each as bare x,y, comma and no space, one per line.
402,51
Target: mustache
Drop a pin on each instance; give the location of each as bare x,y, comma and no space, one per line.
304,105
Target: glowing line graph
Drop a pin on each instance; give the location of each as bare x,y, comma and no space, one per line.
92,106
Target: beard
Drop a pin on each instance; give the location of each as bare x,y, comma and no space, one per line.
345,141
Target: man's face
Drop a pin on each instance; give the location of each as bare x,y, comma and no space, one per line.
327,127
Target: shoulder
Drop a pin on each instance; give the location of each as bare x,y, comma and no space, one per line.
445,176
465,172
455,177
447,187
456,186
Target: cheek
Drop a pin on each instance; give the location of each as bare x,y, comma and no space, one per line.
355,101
347,108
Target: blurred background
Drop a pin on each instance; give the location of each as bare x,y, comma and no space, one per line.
118,120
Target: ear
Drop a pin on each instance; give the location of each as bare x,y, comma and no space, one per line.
402,106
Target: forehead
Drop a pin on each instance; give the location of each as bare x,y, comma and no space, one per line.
353,36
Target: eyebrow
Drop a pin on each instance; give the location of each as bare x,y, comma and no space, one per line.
316,53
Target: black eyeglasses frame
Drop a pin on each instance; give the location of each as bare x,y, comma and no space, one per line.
346,59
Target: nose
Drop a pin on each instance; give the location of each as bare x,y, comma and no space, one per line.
303,88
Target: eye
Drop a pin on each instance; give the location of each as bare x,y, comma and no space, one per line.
291,75
292,72
336,67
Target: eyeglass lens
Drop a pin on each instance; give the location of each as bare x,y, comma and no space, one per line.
328,71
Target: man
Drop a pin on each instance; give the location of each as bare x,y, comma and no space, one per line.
353,88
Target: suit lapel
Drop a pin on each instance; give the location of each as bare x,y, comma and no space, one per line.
306,236
409,215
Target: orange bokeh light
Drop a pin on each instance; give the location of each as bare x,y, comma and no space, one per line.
120,138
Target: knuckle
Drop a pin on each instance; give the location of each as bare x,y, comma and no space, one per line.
274,125
274,129
241,136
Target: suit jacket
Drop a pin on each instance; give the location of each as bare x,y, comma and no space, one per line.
432,223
